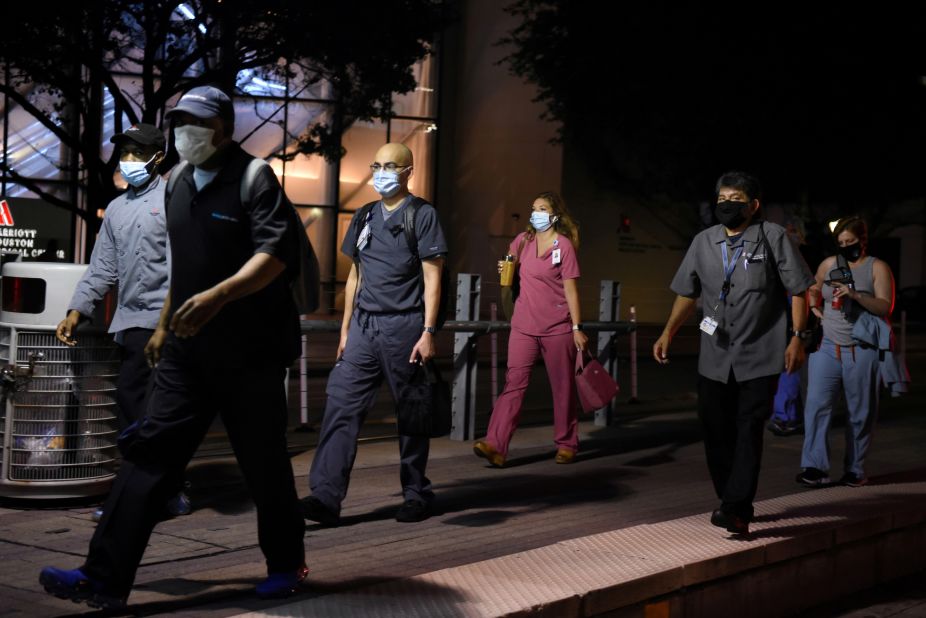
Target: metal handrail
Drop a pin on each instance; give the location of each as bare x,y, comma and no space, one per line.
479,327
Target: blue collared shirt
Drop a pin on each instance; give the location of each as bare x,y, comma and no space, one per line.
132,251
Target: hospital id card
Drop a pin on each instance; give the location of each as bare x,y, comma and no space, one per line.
364,239
556,256
709,325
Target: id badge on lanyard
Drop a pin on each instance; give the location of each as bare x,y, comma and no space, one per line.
709,323
556,256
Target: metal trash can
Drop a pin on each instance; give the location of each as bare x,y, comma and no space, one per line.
58,406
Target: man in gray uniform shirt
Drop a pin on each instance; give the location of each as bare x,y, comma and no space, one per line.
390,315
742,269
131,251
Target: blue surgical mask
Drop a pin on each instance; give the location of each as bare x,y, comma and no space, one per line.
136,172
387,183
541,221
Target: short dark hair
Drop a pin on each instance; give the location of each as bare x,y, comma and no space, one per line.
854,225
747,183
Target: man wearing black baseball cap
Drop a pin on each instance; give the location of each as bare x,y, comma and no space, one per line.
228,330
131,252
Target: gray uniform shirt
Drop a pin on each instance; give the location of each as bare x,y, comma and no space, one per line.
132,251
751,334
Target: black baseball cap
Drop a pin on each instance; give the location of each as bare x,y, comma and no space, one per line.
205,102
144,134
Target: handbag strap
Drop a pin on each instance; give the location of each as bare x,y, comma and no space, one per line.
580,361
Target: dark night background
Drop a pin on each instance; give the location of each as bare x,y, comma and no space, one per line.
825,103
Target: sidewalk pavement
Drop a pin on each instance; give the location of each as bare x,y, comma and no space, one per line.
648,468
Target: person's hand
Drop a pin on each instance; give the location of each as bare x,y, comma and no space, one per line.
841,290
65,331
341,345
661,349
501,264
154,345
817,312
196,313
424,349
581,340
794,355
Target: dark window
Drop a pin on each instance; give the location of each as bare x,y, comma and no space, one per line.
23,294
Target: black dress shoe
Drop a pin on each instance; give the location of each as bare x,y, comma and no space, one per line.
730,522
413,510
313,509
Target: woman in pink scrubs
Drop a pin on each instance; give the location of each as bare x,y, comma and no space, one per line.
546,322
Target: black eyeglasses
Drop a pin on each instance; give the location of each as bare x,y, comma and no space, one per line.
389,167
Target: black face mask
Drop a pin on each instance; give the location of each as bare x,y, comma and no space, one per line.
851,252
731,214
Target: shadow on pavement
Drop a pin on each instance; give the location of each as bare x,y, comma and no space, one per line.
244,600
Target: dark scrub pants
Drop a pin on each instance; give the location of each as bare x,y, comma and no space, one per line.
188,392
378,347
733,416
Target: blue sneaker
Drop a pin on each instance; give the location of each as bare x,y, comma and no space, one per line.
281,585
179,505
74,585
96,515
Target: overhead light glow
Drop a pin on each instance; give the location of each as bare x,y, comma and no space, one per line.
187,12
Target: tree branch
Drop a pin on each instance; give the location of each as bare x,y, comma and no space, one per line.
39,115
33,186
120,102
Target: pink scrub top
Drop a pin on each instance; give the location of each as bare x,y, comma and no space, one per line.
541,309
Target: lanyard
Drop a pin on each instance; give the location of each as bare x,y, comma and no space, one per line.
728,268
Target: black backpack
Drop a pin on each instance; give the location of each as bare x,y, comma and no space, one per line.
306,284
412,239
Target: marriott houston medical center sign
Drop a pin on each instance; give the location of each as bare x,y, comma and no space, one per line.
36,229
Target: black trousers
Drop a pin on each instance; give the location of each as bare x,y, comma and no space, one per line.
134,382
733,416
188,392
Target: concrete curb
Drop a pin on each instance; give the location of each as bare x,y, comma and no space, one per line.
803,550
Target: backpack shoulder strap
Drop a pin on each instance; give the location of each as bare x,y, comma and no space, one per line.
768,246
411,236
174,177
362,215
248,179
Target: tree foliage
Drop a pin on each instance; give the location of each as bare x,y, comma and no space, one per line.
824,105
58,58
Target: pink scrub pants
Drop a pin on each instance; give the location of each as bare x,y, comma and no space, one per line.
559,356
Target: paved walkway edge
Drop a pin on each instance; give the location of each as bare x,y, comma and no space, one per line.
803,550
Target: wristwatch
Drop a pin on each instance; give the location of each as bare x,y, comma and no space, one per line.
802,334
577,326
430,329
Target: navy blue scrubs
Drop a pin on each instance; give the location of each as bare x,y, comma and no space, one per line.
386,324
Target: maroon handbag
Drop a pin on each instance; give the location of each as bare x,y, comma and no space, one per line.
595,386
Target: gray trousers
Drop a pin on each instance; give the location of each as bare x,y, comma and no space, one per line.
378,347
855,372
